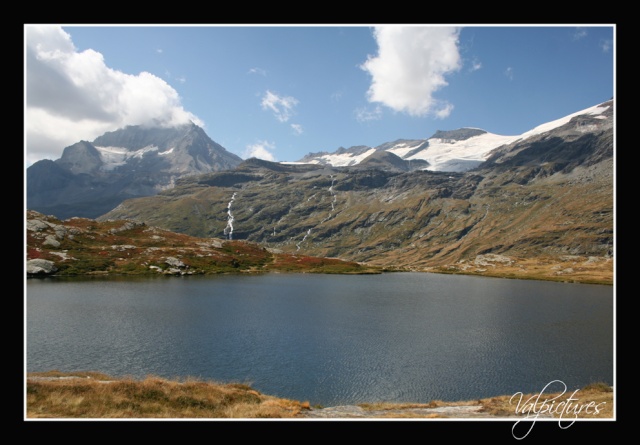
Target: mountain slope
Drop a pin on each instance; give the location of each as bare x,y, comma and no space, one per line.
82,246
540,207
92,178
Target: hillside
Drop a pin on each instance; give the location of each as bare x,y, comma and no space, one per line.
81,246
541,207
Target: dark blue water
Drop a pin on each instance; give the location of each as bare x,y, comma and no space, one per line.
329,339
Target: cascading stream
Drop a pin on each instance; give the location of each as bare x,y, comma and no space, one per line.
333,207
228,231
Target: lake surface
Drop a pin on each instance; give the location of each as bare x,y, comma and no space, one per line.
329,339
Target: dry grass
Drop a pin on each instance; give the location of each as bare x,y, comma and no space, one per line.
94,395
582,404
89,395
396,406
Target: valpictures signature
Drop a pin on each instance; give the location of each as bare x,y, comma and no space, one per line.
566,409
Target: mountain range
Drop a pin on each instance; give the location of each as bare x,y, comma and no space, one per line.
451,151
537,205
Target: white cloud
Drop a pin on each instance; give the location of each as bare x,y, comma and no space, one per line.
444,111
282,106
579,33
73,96
475,65
297,128
258,71
159,50
411,66
606,45
260,150
509,73
368,114
336,96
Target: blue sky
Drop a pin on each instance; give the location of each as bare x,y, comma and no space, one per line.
279,92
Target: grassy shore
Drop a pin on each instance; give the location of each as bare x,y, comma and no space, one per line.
92,395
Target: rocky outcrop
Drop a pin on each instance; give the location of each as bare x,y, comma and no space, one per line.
457,135
40,267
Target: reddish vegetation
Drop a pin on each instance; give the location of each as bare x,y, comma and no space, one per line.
124,247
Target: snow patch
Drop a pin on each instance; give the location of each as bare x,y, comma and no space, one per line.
113,157
345,159
402,149
441,152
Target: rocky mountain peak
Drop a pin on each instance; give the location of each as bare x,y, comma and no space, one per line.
130,162
460,134
81,157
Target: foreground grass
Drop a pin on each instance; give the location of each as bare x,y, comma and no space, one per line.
93,395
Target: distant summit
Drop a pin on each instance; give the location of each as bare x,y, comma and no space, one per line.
458,135
452,150
91,178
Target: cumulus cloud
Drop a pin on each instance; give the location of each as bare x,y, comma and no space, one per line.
260,150
411,65
475,65
297,128
73,96
282,106
606,45
368,114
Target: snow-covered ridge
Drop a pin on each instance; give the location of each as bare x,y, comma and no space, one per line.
113,157
444,155
596,111
342,160
402,149
455,155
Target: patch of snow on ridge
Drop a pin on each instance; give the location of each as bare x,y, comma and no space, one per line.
298,162
474,150
345,159
113,157
595,110
402,149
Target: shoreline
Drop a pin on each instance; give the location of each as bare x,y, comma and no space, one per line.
70,395
373,270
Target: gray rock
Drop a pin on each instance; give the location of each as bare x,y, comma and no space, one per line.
122,247
61,231
40,267
36,225
51,241
127,226
174,262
